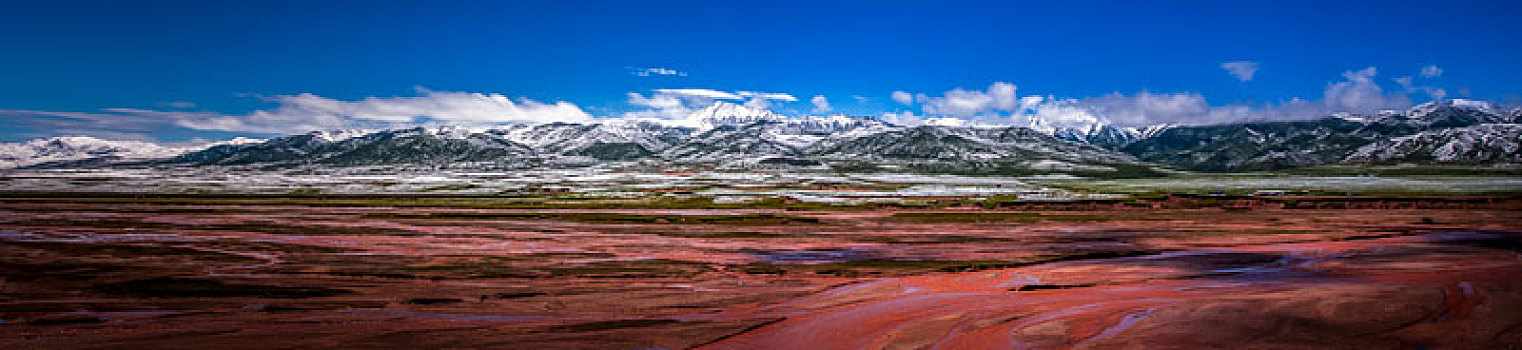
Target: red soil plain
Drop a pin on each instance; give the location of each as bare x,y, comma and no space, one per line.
135,275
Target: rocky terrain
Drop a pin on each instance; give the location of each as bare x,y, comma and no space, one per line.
271,272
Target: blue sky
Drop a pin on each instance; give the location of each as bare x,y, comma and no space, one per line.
178,70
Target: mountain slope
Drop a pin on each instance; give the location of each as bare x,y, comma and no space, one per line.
415,146
1480,144
730,144
973,150
282,149
1279,145
75,149
613,140
726,135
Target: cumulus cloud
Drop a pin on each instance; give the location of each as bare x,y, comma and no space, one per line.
999,97
665,105
1243,70
1431,71
903,118
656,71
1357,92
821,104
904,98
1137,109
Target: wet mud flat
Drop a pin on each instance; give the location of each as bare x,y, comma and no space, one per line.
125,275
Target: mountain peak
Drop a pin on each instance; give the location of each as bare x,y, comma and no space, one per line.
1430,107
724,113
67,148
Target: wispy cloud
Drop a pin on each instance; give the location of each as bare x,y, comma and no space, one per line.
305,112
656,71
701,93
1243,70
767,96
754,99
1431,71
1410,85
108,124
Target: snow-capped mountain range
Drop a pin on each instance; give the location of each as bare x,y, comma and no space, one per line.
727,135
82,148
1337,139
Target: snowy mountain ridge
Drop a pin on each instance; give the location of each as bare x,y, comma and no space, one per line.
71,148
730,135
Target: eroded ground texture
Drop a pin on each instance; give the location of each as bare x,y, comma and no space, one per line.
122,275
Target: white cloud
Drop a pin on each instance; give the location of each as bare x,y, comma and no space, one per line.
655,71
107,124
903,118
1356,93
859,98
759,103
1359,94
763,100
998,104
1000,97
657,101
1003,95
767,96
306,112
665,105
1431,71
701,93
821,104
1142,108
1029,102
1409,85
1243,70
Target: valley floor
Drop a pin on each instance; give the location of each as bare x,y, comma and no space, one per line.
154,274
